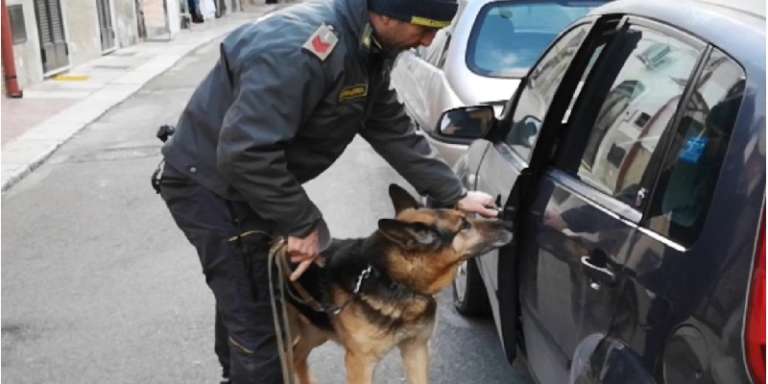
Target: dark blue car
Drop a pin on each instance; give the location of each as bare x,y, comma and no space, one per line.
631,164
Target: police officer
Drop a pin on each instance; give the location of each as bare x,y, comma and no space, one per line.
288,93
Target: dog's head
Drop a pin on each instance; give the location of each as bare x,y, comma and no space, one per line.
425,246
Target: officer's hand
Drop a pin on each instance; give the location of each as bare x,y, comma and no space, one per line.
478,202
303,251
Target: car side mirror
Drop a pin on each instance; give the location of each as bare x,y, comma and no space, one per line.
466,123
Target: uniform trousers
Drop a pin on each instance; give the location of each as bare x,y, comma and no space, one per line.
235,269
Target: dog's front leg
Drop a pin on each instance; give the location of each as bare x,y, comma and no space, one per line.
415,353
359,368
307,341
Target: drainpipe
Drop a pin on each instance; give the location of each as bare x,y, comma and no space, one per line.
9,63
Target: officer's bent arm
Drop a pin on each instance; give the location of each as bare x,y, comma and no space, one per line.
391,133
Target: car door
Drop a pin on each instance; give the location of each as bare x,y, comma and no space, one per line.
509,155
683,258
586,206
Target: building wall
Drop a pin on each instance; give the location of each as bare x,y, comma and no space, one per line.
174,16
81,28
81,25
82,32
126,27
162,18
29,65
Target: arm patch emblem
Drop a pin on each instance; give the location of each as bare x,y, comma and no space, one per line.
322,42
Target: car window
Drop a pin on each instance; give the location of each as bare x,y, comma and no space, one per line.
508,37
637,109
698,145
539,90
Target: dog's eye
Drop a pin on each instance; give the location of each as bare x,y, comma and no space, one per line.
465,224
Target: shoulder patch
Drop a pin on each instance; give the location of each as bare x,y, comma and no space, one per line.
322,42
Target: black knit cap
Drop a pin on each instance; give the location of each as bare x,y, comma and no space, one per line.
428,13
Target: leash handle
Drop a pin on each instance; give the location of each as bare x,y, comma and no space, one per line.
280,318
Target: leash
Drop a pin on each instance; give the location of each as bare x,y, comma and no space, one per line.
282,327
278,256
280,260
277,252
304,297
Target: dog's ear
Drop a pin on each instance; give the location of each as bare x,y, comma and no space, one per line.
401,199
408,235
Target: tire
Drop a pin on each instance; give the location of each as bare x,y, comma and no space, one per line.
469,295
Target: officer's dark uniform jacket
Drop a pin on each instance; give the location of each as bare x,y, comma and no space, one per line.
272,115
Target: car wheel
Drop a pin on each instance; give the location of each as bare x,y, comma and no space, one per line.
469,295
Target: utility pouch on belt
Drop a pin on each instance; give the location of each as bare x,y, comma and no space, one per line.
163,133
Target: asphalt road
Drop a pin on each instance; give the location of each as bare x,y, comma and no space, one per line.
99,286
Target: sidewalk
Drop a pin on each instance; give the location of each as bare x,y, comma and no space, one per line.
51,112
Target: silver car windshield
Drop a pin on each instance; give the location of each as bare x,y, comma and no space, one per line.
508,37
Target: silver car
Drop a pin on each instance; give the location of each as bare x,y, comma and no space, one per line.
479,59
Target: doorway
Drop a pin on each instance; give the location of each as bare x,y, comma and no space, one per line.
106,29
53,43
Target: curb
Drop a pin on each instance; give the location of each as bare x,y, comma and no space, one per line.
19,173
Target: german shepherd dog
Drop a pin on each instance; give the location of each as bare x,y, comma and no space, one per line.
382,287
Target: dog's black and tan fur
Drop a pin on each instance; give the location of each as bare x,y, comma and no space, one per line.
412,257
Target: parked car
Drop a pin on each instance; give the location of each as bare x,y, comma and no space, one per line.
631,164
479,59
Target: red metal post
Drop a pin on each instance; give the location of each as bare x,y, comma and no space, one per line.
9,63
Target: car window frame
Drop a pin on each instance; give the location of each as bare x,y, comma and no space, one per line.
567,161
499,133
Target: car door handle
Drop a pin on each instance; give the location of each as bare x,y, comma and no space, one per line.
599,274
506,212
